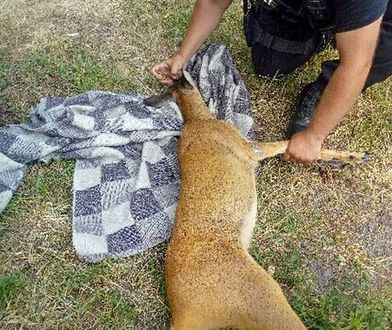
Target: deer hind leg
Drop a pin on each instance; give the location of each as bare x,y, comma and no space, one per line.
244,297
262,304
197,322
193,307
272,149
184,326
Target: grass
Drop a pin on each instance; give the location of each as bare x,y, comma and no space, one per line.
324,233
10,285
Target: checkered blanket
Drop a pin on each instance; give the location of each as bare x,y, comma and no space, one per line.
126,178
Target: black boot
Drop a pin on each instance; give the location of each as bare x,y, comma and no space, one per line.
306,105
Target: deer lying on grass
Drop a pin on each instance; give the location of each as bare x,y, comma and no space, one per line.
211,279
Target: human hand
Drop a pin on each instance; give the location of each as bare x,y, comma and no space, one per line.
304,147
169,70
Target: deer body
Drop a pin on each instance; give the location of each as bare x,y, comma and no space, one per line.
212,281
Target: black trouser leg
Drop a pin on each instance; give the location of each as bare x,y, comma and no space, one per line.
382,63
274,64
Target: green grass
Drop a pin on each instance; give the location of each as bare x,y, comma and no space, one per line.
338,310
69,69
322,232
2,75
10,285
350,304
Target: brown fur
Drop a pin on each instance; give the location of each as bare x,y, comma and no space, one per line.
212,281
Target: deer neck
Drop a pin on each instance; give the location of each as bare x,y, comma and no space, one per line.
192,106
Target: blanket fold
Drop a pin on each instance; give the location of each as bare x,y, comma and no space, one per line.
126,179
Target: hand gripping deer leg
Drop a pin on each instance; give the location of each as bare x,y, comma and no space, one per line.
271,149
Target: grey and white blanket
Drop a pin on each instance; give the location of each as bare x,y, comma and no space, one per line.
126,178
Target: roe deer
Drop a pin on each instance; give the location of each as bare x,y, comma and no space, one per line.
211,279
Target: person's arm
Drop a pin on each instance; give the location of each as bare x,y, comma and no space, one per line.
356,50
206,16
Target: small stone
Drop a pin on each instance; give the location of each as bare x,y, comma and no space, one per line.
271,270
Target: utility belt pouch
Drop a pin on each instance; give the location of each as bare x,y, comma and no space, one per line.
269,24
254,11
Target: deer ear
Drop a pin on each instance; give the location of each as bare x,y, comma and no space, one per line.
158,101
187,81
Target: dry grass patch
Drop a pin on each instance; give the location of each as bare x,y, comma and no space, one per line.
324,233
